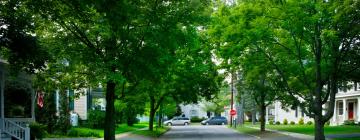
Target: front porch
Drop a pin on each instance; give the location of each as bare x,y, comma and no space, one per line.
346,108
16,110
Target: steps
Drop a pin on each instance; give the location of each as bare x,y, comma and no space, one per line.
4,136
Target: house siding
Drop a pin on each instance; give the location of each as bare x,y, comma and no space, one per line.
80,107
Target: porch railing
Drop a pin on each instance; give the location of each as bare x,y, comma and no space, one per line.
15,130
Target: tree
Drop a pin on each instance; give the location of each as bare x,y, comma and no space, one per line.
304,42
262,90
219,101
18,44
114,39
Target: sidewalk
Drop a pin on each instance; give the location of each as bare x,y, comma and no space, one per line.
353,135
129,136
291,134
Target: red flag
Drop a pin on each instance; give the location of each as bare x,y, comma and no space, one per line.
40,99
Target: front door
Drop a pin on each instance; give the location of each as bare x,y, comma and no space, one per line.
351,111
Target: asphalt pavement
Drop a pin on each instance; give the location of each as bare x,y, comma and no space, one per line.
207,132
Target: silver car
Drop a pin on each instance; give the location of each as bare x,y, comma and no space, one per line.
178,121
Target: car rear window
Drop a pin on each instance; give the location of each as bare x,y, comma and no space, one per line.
185,119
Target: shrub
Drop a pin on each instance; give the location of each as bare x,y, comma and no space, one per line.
271,122
285,122
292,123
301,121
309,123
83,132
349,122
277,123
327,123
37,131
196,119
96,119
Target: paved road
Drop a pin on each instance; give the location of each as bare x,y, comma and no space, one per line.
198,132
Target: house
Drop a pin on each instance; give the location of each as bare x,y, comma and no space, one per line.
193,110
196,110
15,112
93,98
347,107
277,113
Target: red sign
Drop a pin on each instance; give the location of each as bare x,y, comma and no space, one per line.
232,112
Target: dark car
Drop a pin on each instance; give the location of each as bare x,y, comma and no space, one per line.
215,121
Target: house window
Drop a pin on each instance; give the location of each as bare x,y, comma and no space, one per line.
302,113
271,112
296,112
341,108
193,113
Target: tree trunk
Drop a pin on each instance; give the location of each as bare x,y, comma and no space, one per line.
160,117
262,116
109,130
253,116
319,128
319,123
152,113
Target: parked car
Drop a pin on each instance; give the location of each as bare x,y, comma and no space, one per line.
215,121
178,121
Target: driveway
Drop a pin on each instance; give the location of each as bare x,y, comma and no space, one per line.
198,132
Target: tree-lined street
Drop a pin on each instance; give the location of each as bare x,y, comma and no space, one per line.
102,68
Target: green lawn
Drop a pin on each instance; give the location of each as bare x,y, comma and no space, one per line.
98,133
121,128
309,129
303,129
256,132
156,133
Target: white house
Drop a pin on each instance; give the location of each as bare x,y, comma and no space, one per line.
195,110
347,107
276,113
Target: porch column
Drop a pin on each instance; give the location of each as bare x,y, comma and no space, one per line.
275,112
335,113
344,110
267,115
33,93
358,110
2,86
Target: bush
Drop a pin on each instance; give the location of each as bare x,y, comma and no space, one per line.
83,132
196,119
96,119
301,121
37,131
349,122
327,123
285,122
292,123
277,123
271,122
309,123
